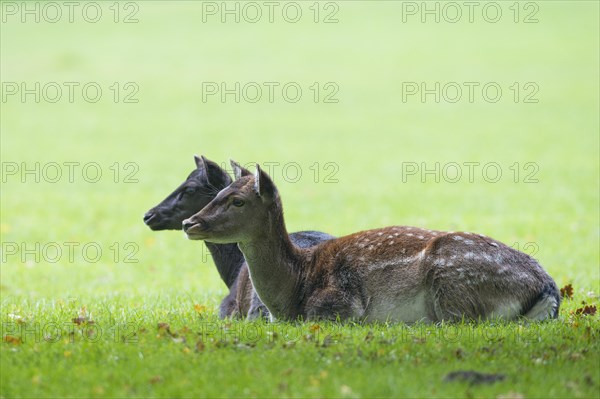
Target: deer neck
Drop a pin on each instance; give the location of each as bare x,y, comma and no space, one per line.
273,265
228,259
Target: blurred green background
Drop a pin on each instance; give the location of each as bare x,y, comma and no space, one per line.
371,134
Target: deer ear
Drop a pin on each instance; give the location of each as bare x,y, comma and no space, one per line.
263,185
213,172
239,170
200,162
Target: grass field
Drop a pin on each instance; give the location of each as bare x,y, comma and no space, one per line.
94,304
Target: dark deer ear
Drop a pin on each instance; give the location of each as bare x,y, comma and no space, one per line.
199,162
263,185
213,172
239,170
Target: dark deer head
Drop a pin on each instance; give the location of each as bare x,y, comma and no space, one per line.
201,186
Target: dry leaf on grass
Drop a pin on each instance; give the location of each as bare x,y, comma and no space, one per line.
473,377
13,340
587,310
567,291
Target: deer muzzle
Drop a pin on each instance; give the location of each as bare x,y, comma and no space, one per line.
194,228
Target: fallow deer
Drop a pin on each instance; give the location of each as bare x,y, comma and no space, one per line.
200,187
399,273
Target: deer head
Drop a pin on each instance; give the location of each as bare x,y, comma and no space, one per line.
238,212
193,194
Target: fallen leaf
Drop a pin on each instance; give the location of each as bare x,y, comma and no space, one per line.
369,336
200,308
200,346
575,356
459,353
156,379
184,330
83,317
473,377
567,291
314,328
12,340
587,310
282,386
165,328
82,320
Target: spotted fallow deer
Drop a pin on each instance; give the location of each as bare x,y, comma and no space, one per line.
200,187
399,273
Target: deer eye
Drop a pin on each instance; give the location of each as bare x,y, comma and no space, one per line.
237,202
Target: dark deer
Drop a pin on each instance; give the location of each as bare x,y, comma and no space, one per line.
397,273
200,187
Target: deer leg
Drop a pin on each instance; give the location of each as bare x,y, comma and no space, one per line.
452,303
228,307
257,309
331,304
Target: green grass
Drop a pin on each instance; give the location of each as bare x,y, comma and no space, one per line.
370,135
125,353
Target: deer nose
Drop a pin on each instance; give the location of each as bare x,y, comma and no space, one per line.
148,215
186,224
